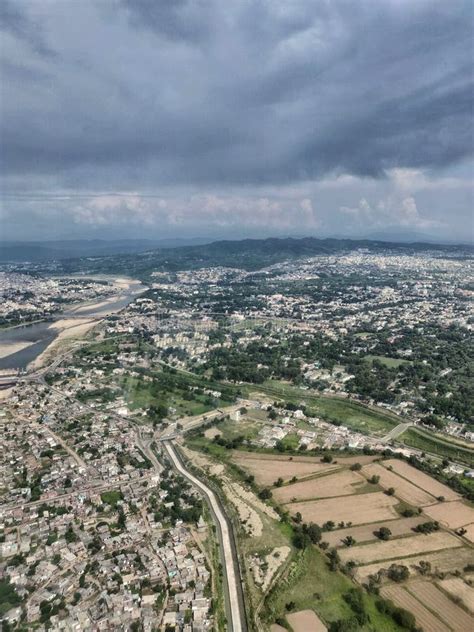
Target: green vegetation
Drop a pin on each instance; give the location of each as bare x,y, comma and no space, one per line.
309,584
8,597
333,409
387,361
427,442
111,498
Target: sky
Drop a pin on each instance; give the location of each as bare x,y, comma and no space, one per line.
203,118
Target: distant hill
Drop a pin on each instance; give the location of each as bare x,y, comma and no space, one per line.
248,254
406,236
36,251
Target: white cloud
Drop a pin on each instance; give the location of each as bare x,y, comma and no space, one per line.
212,210
393,210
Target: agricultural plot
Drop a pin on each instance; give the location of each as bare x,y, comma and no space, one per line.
402,598
402,547
268,470
454,514
469,535
339,484
358,509
365,533
306,621
436,601
420,479
403,489
447,560
457,588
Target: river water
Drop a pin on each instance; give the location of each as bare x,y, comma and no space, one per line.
41,335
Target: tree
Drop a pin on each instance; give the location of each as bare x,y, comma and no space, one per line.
349,541
328,525
301,538
390,491
265,494
398,572
334,560
424,567
314,533
427,527
374,479
383,533
278,482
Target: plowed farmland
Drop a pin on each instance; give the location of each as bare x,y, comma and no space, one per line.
358,509
454,514
442,606
403,489
458,589
338,484
365,533
400,597
267,471
448,560
402,547
420,479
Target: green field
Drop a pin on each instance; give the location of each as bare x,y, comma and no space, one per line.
343,411
389,362
317,588
423,440
141,394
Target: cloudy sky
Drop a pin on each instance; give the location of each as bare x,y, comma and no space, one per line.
179,118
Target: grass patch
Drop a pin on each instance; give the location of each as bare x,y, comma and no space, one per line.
355,415
388,362
311,585
111,498
341,411
291,441
423,440
141,394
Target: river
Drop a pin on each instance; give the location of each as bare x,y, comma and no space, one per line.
37,337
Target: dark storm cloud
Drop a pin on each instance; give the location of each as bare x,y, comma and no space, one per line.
138,95
246,92
187,20
15,21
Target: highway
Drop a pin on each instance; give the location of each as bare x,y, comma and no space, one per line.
234,601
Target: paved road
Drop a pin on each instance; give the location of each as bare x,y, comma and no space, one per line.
229,563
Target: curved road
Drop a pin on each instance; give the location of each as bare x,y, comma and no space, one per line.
230,564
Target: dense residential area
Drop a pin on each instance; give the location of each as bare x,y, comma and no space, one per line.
288,447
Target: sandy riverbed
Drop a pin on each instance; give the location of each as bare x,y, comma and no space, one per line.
69,329
8,348
5,393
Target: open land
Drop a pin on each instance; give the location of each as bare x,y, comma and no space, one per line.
420,479
454,514
338,484
268,470
403,489
365,533
358,509
442,606
306,621
447,560
403,599
402,547
458,589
